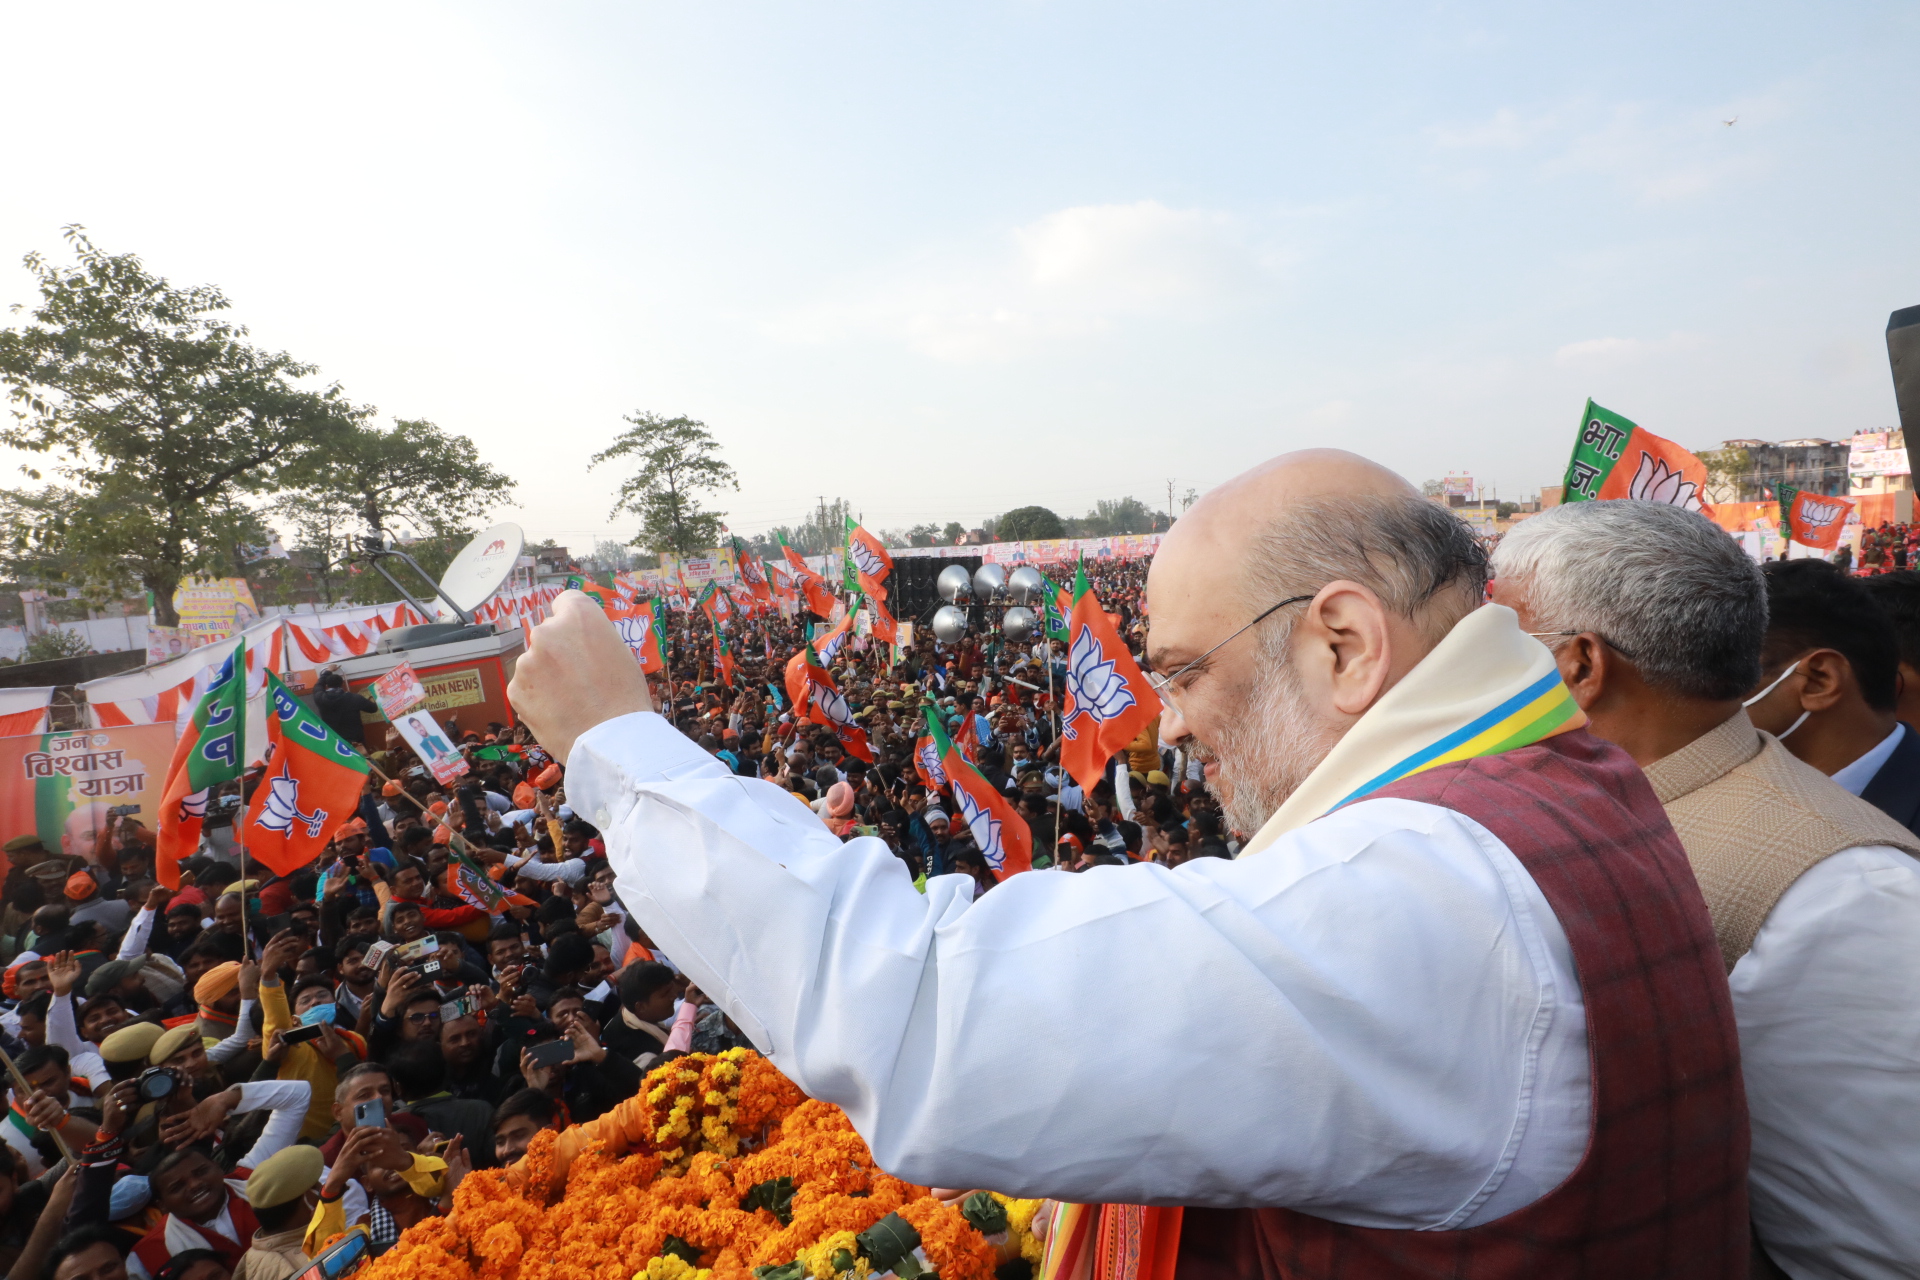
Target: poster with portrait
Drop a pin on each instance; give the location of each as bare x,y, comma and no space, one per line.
62,787
433,744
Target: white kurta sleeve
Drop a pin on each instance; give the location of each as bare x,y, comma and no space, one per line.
1368,1021
236,1042
287,1100
568,871
1828,1002
134,943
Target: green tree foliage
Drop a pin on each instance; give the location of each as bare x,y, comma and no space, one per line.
1024,524
415,476
822,530
679,461
1112,516
159,415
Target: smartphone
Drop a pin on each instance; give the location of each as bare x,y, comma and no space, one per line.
431,969
300,1035
370,1115
376,953
407,952
552,1053
340,1258
463,1006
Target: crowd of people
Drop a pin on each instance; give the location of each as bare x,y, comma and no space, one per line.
219,1080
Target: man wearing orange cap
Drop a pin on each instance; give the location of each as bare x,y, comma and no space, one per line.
89,906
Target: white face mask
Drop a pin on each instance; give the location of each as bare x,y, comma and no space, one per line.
1775,685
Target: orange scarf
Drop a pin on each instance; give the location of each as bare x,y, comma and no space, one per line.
1112,1242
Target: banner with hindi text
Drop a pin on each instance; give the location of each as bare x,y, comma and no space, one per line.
59,786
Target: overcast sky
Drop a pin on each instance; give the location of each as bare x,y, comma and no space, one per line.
944,260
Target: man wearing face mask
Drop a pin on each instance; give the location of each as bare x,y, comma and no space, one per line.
1832,694
1657,621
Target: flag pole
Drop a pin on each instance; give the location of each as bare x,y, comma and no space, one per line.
457,840
25,1090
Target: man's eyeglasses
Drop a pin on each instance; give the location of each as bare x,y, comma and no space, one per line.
1163,685
424,1017
1622,650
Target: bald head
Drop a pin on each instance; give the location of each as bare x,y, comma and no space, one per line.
1356,576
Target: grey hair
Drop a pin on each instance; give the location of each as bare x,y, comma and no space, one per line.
1423,563
1667,585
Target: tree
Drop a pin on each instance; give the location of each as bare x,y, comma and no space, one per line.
433,479
156,409
1111,516
1024,524
1730,473
823,529
679,461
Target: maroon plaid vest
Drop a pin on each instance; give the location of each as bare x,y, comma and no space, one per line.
1662,1189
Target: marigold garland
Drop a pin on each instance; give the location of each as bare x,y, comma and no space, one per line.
715,1126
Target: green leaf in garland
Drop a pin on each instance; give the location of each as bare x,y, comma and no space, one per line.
787,1271
889,1244
988,1216
775,1196
841,1261
680,1249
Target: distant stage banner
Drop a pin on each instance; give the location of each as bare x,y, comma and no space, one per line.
59,786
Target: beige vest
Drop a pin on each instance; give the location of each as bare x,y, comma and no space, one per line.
1753,818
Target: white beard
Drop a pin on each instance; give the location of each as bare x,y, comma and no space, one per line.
1266,753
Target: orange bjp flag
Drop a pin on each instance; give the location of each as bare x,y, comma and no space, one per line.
818,699
1811,519
1108,699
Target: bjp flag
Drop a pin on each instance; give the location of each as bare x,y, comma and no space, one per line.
828,643
1002,834
722,658
211,751
751,572
312,785
816,698
1108,699
1614,458
819,595
885,629
868,553
1811,519
927,762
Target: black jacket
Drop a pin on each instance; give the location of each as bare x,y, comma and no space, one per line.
1895,790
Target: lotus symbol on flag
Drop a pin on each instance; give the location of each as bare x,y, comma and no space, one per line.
863,557
283,806
831,704
194,806
1817,515
1655,481
930,761
633,631
1094,688
983,827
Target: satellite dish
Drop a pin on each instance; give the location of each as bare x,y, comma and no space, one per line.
482,565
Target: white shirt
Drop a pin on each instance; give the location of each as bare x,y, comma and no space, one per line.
1376,1020
1828,1004
287,1100
1857,775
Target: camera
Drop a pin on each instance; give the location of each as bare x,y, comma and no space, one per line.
157,1083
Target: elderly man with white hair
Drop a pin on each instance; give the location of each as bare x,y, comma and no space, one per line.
1657,619
1455,1010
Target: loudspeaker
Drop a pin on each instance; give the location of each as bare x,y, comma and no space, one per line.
912,594
1903,352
